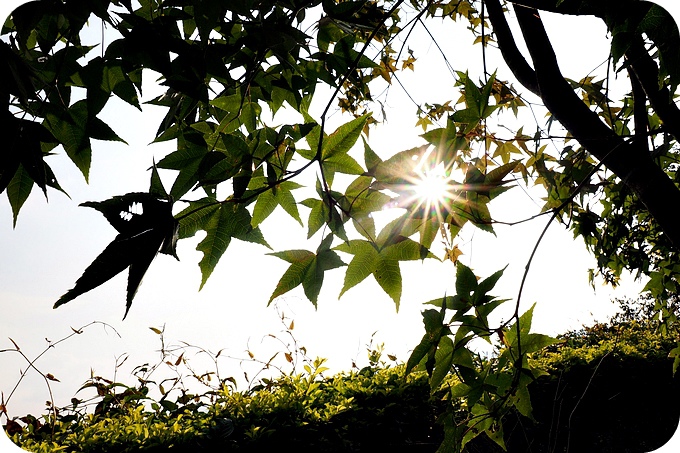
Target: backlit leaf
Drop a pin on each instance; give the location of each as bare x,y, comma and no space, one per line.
307,269
343,138
388,276
230,220
362,265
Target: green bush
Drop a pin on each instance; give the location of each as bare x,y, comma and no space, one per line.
610,389
346,412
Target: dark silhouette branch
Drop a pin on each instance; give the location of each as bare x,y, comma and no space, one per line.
634,167
506,43
647,74
640,119
603,9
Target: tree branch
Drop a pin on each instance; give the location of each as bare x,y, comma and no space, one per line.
506,42
640,119
634,167
599,8
647,73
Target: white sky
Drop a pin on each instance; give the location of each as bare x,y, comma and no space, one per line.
54,242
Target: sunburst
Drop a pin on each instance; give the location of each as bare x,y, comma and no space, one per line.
431,189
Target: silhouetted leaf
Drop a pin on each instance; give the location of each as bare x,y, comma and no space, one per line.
145,225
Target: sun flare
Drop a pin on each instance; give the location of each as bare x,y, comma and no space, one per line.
432,188
432,185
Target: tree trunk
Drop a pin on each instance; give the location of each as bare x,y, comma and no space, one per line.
630,163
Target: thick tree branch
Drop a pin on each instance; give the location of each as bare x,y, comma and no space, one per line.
640,119
556,92
633,166
506,42
603,9
647,73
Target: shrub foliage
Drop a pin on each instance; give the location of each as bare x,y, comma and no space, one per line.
594,397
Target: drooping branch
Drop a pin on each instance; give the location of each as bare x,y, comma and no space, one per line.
647,73
628,162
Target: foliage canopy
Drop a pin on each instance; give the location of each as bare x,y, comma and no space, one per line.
230,68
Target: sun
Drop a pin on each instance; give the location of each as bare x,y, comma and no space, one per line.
432,188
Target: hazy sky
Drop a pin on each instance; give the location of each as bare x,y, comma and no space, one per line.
54,242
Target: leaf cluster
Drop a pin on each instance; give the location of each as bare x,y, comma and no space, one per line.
488,387
222,65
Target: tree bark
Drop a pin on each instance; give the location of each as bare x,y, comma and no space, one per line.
633,166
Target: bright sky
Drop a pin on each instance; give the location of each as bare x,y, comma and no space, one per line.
54,242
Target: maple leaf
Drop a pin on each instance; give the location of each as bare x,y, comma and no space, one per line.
307,268
145,225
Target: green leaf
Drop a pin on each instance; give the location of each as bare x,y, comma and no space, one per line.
522,401
312,138
307,269
325,260
393,232
675,355
473,96
195,217
534,342
342,163
397,168
529,342
72,134
156,185
406,250
365,225
371,159
484,310
468,116
496,175
484,108
443,362
18,190
230,220
496,434
362,200
418,354
388,276
343,138
99,130
462,355
317,216
231,104
466,281
487,284
434,331
295,273
451,302
187,159
264,206
120,83
362,265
